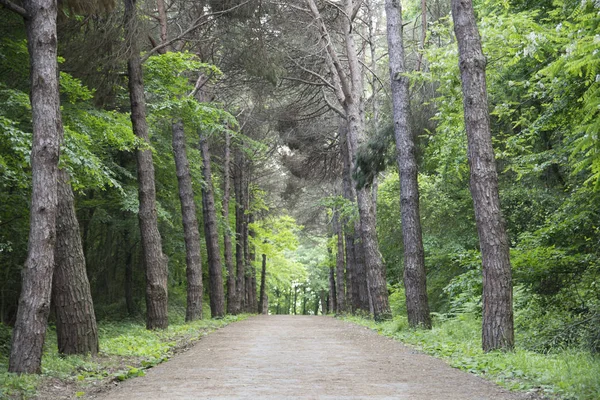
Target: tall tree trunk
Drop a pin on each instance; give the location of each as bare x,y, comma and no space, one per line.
128,284
349,91
263,278
34,303
238,186
339,267
76,328
215,278
498,330
414,256
154,259
228,251
190,226
332,304
355,264
253,306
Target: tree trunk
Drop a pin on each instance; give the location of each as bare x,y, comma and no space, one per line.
190,226
498,330
76,328
339,268
324,308
228,251
263,278
34,303
355,264
332,304
215,279
239,231
414,256
154,259
130,304
252,302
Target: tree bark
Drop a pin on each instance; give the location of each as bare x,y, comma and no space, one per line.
339,267
415,283
34,302
76,328
228,251
355,264
498,329
190,226
263,279
252,301
215,278
238,178
324,308
156,262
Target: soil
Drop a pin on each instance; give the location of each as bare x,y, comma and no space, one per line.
303,357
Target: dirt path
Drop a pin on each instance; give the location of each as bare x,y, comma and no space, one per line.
303,357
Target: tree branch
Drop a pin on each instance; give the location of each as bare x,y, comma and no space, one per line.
197,24
9,5
335,109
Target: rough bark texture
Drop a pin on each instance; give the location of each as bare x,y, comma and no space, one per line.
154,259
76,328
414,256
498,330
355,264
238,178
211,233
190,226
263,278
34,304
228,250
339,268
252,304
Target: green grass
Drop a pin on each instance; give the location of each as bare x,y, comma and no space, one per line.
565,374
126,349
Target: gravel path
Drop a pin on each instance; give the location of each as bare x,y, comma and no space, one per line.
303,357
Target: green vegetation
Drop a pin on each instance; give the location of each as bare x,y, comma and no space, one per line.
127,349
567,373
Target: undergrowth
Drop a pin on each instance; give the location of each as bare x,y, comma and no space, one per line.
564,373
126,350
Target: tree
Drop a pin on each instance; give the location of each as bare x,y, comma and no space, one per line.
414,254
155,261
347,85
76,328
34,303
227,245
190,226
339,266
215,275
498,330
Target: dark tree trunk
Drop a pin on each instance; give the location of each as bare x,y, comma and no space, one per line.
211,233
339,268
295,297
332,304
324,308
263,278
498,330
190,226
154,259
414,257
34,302
253,305
238,178
303,300
130,304
228,251
76,328
355,264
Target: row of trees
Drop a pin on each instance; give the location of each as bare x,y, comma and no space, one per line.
227,116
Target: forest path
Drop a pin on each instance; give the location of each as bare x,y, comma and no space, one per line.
303,357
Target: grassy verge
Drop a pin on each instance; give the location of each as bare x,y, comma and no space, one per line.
566,374
126,350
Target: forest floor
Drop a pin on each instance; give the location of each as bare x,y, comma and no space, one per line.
303,357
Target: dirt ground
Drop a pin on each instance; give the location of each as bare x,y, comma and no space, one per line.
303,357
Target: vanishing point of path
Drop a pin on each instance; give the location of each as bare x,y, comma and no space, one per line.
303,357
